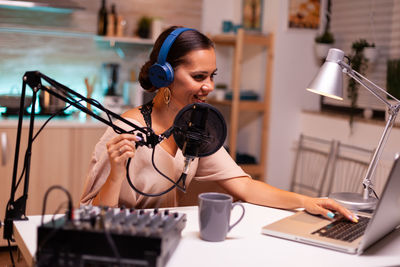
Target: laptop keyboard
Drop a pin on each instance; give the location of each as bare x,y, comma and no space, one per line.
344,229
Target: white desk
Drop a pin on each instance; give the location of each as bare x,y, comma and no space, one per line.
245,245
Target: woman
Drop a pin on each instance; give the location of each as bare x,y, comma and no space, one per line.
192,58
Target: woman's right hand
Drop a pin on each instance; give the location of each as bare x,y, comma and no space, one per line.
120,149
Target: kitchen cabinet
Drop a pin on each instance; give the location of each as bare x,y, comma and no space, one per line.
60,156
239,42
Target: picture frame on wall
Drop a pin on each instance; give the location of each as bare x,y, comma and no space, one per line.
252,11
304,14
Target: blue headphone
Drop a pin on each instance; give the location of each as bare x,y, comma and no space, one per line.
161,74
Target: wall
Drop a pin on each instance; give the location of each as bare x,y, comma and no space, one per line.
294,67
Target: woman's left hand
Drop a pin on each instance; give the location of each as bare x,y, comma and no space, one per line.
325,206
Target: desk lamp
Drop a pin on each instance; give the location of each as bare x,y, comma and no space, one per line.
329,82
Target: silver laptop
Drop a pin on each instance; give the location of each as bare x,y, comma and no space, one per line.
316,230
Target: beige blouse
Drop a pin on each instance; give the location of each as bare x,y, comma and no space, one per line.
144,177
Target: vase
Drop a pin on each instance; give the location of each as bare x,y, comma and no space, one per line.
371,53
321,50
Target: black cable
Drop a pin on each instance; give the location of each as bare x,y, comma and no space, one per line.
69,212
34,137
373,191
175,184
376,196
69,215
10,250
57,210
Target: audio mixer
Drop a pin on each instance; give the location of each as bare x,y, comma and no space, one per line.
103,236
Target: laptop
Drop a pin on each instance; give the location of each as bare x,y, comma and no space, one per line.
318,231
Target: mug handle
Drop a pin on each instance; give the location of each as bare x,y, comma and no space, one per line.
241,216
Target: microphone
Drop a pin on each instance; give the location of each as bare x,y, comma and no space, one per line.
199,130
195,132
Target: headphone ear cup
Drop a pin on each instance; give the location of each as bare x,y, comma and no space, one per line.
161,75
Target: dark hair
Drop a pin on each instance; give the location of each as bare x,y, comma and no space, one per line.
186,42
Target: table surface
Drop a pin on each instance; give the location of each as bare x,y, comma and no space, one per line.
245,245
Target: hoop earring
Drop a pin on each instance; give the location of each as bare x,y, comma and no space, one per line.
167,96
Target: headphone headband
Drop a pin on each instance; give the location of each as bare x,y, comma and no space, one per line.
162,55
161,73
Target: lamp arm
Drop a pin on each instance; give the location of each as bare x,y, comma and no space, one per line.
367,182
393,111
360,79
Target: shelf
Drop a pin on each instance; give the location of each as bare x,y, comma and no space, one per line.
245,105
239,42
113,42
248,38
46,31
127,40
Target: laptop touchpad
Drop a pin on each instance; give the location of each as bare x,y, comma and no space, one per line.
306,218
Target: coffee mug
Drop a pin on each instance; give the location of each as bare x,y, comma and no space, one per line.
214,215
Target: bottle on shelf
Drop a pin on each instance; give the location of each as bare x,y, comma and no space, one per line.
112,22
112,100
113,81
102,20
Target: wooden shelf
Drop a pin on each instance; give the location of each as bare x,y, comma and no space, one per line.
240,41
248,38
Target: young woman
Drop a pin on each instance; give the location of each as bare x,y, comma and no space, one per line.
193,62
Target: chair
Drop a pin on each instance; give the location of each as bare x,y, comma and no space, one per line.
311,165
349,166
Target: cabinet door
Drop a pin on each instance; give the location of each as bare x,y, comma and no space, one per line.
6,167
85,140
51,164
61,157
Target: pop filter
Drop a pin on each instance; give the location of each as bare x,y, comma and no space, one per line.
199,130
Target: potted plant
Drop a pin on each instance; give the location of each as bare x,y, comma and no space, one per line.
144,27
220,90
370,52
324,41
358,62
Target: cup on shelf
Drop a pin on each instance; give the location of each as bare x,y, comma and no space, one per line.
227,26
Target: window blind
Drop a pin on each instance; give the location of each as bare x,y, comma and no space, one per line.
377,21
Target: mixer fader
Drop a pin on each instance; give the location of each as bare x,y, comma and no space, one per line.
103,236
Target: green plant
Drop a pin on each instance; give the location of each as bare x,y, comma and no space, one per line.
393,77
326,37
358,62
144,25
221,86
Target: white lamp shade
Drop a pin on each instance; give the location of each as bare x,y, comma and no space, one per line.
329,79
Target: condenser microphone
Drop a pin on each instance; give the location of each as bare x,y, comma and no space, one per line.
195,132
199,130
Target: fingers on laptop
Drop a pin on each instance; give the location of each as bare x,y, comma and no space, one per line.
332,205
